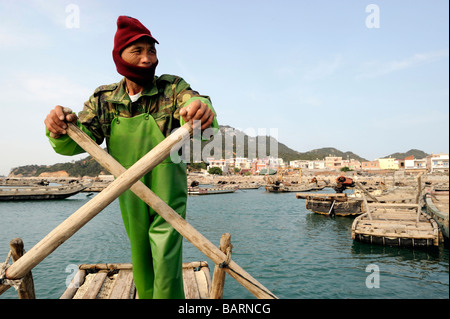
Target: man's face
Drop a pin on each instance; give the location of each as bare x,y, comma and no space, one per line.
140,53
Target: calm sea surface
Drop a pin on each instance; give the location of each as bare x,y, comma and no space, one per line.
290,250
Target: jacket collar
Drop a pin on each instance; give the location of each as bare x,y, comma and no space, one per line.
120,95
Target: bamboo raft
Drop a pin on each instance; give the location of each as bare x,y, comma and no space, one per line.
115,281
394,224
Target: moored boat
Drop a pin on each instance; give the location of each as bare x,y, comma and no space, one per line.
394,224
278,187
338,204
15,193
211,190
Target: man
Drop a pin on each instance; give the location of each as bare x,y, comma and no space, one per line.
135,115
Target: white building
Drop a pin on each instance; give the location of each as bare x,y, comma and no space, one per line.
439,163
416,163
317,164
299,164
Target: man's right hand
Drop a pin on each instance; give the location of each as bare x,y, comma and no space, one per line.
56,120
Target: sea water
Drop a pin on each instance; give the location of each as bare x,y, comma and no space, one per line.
293,252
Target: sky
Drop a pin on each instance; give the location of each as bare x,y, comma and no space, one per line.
369,77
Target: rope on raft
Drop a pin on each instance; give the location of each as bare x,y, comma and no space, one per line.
3,280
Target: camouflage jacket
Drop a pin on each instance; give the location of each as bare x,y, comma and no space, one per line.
163,101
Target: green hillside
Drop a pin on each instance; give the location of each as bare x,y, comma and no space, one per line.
416,153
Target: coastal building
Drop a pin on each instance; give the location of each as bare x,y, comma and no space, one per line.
352,164
333,162
439,163
221,163
370,165
388,163
416,164
317,164
299,164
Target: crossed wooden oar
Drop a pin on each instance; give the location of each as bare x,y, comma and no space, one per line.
129,179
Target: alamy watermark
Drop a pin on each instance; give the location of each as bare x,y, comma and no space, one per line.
73,16
373,279
72,269
228,142
373,19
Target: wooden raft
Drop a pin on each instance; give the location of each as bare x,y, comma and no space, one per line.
394,224
115,281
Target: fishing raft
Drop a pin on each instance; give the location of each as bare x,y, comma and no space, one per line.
394,224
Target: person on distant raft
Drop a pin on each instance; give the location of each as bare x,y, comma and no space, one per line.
135,115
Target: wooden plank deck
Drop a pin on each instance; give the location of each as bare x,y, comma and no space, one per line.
396,225
115,281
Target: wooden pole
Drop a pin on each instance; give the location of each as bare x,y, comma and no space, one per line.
88,211
419,187
26,289
218,281
366,205
365,191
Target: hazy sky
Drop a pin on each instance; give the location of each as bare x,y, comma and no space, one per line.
371,79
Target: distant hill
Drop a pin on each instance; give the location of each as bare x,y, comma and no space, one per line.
416,153
286,153
89,167
321,153
84,167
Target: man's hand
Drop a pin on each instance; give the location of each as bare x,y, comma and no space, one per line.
56,120
198,111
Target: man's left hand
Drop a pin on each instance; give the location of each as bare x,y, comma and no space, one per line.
198,111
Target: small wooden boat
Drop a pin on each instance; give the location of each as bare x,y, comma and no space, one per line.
395,224
338,204
12,193
437,205
115,281
211,191
283,187
249,186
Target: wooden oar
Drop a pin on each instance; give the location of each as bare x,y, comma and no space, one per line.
331,209
183,227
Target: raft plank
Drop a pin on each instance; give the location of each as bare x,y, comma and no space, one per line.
123,285
95,286
115,281
190,284
202,284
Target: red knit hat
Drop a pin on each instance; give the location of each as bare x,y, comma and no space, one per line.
128,31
